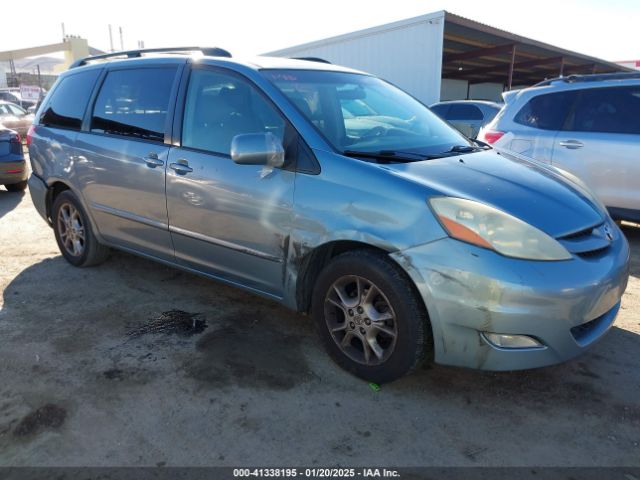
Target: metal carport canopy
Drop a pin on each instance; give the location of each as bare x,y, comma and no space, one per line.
478,53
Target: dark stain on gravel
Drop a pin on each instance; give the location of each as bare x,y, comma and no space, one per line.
172,322
47,417
255,357
113,374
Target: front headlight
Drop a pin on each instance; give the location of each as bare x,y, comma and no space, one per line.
488,227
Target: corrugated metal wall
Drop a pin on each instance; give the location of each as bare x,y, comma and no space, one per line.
407,53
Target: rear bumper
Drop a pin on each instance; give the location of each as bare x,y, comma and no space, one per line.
13,171
566,306
38,190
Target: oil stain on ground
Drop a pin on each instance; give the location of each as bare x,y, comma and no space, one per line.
172,322
47,417
252,357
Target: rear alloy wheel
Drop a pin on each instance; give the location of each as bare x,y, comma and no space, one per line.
71,228
76,240
370,317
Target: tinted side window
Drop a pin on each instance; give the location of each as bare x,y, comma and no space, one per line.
547,112
134,103
440,110
459,111
69,100
608,110
220,106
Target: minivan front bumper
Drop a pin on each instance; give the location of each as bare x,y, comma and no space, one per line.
470,292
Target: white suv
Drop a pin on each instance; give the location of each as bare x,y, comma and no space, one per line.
586,124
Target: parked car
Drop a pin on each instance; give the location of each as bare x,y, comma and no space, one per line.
401,237
14,117
468,116
13,168
586,124
15,98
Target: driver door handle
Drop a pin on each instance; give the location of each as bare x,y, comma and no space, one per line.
571,144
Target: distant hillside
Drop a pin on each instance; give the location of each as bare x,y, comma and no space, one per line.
47,64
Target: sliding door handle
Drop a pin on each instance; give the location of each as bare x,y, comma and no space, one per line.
181,167
152,160
571,144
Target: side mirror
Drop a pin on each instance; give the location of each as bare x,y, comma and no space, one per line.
257,149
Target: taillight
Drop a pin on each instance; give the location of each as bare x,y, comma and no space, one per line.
492,136
15,138
32,130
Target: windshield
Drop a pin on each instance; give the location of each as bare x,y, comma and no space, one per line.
361,113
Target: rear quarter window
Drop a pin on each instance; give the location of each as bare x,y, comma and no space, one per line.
69,100
547,112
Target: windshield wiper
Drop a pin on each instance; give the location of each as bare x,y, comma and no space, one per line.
466,148
388,155
457,149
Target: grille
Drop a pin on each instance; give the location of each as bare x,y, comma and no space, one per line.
591,330
589,242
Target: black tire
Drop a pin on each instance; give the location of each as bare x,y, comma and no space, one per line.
17,187
413,338
92,252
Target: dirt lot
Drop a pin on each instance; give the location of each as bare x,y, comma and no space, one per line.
96,369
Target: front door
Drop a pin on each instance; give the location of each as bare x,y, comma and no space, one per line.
227,220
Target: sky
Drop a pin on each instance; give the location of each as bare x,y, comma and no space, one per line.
607,29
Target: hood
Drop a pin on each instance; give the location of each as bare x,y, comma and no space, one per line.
531,192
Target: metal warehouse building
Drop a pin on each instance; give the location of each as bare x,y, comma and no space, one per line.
442,56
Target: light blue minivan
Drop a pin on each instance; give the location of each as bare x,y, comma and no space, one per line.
334,193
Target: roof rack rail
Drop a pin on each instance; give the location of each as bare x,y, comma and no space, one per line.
210,51
595,77
312,59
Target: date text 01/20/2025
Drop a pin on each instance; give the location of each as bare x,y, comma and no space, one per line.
316,472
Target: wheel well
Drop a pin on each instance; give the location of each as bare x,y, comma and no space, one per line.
314,261
53,192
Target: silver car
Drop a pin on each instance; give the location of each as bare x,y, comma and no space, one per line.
399,236
468,116
586,124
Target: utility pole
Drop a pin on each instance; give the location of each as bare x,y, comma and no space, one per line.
121,40
14,74
111,39
39,81
64,33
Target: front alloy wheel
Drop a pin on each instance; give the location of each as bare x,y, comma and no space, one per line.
361,320
370,316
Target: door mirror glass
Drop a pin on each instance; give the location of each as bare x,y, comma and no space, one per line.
257,149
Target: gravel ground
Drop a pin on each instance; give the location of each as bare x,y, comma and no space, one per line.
135,363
